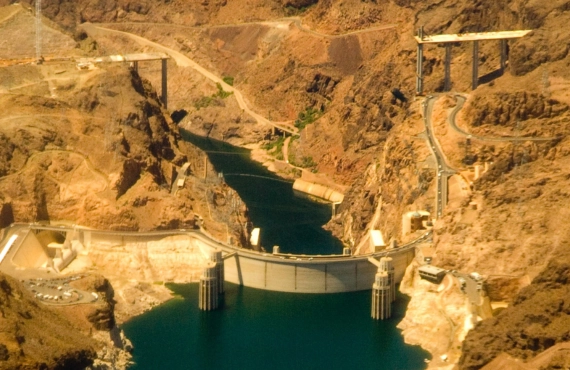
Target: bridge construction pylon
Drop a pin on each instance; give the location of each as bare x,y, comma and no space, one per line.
208,289
381,297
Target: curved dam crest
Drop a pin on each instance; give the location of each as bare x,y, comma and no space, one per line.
284,273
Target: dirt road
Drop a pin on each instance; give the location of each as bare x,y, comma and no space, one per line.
183,61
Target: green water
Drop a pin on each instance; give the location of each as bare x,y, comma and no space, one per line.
258,329
286,219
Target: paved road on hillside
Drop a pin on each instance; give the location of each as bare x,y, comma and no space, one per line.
444,171
183,61
452,122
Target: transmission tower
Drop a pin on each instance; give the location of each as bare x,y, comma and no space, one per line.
38,30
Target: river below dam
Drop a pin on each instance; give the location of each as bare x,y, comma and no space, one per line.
285,218
257,329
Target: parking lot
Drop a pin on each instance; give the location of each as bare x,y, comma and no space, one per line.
58,291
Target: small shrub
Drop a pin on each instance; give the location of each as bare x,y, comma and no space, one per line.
306,161
222,94
205,101
229,80
275,147
308,116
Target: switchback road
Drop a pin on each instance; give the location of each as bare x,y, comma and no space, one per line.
452,122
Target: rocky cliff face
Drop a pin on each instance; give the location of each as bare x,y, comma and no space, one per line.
538,319
366,135
100,151
522,113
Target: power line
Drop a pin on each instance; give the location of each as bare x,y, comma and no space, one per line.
259,176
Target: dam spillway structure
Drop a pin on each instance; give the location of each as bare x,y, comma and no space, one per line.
208,289
381,297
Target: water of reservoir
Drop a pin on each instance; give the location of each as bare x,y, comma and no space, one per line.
257,329
288,220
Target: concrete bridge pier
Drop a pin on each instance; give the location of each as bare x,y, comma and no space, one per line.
419,65
164,97
503,46
381,297
208,289
475,77
450,39
447,81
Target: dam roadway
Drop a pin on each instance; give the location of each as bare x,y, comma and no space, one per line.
444,171
298,273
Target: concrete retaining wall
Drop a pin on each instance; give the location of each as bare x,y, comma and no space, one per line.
318,190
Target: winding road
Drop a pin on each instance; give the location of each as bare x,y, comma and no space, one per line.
444,171
452,122
85,158
183,61
297,22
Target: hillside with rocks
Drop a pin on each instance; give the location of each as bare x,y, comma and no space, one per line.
35,336
93,147
345,71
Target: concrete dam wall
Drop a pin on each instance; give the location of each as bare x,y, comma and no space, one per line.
280,272
344,274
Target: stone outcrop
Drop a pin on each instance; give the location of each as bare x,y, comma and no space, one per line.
103,154
538,319
510,109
